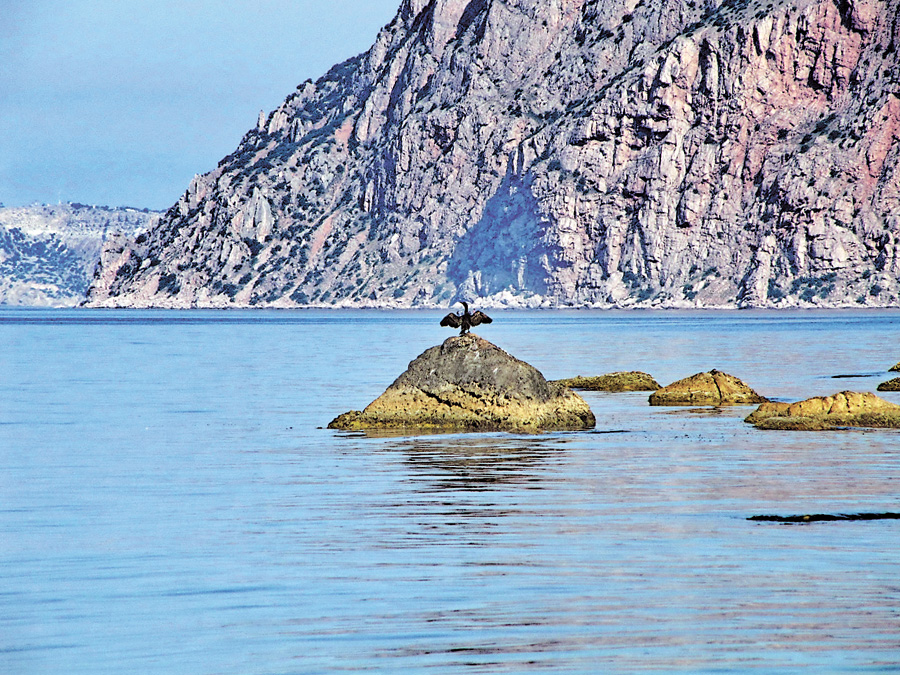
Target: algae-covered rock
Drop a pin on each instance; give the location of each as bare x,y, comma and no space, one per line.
712,388
890,385
632,380
469,384
844,409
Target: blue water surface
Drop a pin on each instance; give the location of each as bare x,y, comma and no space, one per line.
170,501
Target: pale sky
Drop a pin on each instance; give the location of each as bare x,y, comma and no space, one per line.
121,102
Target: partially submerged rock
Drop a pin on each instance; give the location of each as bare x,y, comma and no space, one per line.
712,388
818,517
632,380
844,409
890,385
894,368
469,384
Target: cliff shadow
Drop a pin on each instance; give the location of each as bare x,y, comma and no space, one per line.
508,248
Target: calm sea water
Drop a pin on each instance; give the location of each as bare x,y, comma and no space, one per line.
170,502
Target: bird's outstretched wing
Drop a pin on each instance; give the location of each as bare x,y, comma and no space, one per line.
451,320
479,318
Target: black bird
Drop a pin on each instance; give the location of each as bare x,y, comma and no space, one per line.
465,321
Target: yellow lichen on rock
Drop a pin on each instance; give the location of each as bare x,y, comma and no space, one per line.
890,385
844,409
633,380
712,388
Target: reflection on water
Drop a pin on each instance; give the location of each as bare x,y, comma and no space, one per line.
479,461
169,503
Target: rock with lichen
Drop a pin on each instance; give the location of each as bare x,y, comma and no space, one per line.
613,382
890,385
712,388
844,409
469,384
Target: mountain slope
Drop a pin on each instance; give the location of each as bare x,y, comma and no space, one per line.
568,152
48,253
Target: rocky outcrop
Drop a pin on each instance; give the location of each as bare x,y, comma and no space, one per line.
469,384
712,388
844,409
613,382
890,385
895,368
48,253
546,153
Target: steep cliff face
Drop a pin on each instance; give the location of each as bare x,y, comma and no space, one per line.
554,153
48,253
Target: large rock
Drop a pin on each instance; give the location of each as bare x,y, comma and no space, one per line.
712,388
469,384
614,382
844,409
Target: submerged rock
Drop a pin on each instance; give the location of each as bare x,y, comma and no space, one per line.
890,385
818,517
615,382
469,384
844,409
712,388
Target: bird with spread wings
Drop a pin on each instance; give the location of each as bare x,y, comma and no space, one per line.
465,321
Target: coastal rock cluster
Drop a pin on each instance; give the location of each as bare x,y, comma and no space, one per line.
48,253
469,384
559,153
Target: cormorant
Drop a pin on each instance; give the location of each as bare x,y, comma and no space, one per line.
465,321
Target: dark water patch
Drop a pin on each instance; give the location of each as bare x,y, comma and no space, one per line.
35,648
817,517
713,410
181,593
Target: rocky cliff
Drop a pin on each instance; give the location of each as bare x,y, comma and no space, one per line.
559,153
48,253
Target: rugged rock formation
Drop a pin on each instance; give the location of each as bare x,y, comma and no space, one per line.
48,254
548,153
890,385
844,409
469,384
712,388
613,382
895,368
